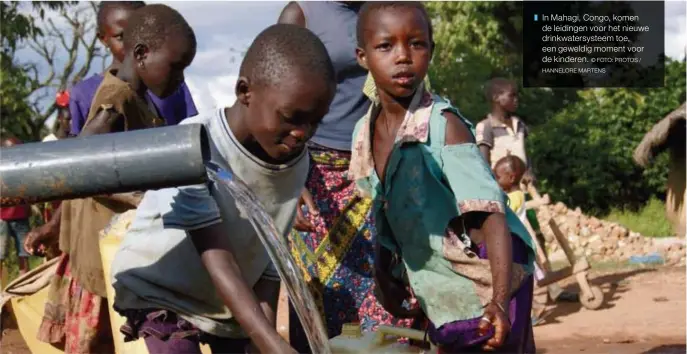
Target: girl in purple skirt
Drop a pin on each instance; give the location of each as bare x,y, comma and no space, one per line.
442,221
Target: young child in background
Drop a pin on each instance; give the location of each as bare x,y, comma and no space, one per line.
509,171
42,240
437,205
191,267
14,224
158,45
61,132
112,19
64,117
502,133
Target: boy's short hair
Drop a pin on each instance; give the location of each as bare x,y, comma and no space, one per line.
281,48
154,24
369,7
514,164
495,86
106,6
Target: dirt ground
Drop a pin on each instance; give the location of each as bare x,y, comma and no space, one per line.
644,313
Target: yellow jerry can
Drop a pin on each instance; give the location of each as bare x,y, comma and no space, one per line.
110,239
383,340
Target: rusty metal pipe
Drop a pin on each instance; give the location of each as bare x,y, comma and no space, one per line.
103,164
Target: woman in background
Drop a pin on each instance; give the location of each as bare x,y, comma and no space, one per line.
333,237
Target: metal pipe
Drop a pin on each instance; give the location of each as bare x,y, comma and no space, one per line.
103,164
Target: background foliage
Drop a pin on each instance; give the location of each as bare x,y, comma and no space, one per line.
59,47
582,140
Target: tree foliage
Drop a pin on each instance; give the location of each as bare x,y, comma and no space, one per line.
479,40
582,140
583,154
65,45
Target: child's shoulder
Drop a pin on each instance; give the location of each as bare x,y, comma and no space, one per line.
215,122
86,86
520,121
484,122
113,90
447,120
443,107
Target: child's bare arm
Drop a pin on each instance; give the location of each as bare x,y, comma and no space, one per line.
484,141
539,202
498,240
267,292
456,131
215,252
494,225
500,247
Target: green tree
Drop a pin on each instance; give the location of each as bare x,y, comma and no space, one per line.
66,53
476,41
583,155
582,140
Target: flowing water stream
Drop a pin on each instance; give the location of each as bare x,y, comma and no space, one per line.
300,296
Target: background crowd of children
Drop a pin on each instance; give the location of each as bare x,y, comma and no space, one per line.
384,193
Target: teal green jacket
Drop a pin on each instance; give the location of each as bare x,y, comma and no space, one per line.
426,185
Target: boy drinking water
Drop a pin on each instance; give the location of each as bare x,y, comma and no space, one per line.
191,268
437,205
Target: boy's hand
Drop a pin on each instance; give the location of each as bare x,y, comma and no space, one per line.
39,239
302,223
494,316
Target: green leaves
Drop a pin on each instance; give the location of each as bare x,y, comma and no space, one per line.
476,41
582,140
583,155
25,91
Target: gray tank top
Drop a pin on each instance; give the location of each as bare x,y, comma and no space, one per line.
335,24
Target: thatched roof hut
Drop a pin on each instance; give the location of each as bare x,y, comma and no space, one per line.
669,131
669,134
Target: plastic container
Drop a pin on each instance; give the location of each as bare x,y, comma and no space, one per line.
109,243
653,258
384,340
